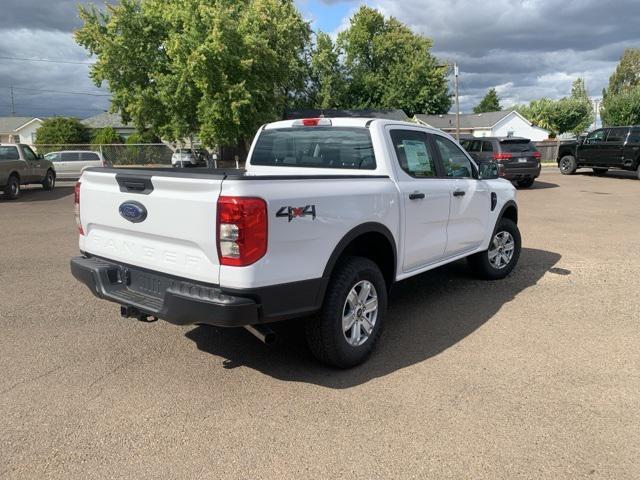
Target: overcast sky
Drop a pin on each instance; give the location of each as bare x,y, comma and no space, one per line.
525,48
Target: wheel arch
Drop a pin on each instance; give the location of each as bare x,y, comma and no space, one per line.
370,240
510,211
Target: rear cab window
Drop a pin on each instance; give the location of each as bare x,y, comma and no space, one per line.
315,147
9,153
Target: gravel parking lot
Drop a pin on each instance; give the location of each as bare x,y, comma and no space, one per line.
535,376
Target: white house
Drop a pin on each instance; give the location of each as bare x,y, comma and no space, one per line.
506,123
19,129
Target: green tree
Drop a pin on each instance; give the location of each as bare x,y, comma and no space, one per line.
627,73
580,104
328,81
216,69
490,103
62,130
388,66
622,109
104,136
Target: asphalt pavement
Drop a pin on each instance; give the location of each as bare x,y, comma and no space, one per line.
535,376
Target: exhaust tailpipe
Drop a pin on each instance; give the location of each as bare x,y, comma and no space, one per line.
262,333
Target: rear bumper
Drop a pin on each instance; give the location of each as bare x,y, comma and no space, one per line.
184,302
520,173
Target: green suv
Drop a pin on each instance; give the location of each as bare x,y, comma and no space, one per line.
19,165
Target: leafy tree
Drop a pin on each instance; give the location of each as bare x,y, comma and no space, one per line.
104,136
622,109
388,66
580,104
627,74
328,79
216,69
62,130
490,103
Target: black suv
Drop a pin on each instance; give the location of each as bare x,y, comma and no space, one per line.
518,159
613,147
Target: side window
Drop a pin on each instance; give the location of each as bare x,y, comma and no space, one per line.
594,137
456,163
89,156
487,147
617,135
9,153
70,156
28,153
412,150
634,136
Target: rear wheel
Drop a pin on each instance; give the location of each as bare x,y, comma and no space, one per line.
638,171
502,256
568,165
12,189
600,171
49,181
526,182
348,327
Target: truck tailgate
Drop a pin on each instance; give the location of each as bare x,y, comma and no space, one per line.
178,234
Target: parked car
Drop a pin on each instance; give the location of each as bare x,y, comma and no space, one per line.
188,157
518,158
19,165
602,149
69,164
327,216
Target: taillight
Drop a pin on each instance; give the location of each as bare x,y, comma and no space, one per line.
537,155
242,230
502,156
76,202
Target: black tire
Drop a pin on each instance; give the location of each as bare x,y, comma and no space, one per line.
12,188
326,337
568,165
526,182
638,171
49,181
480,262
600,171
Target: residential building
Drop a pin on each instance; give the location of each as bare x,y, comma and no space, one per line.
113,120
506,123
19,129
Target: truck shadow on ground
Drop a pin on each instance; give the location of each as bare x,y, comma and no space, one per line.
538,185
427,314
37,194
615,174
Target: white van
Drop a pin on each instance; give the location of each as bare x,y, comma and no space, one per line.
69,164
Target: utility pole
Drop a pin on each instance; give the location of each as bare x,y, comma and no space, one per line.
13,107
456,73
596,105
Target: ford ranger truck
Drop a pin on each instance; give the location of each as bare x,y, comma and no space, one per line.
327,216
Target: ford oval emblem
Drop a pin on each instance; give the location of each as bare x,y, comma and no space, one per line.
133,211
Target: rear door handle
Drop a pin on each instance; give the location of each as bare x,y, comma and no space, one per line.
459,193
416,196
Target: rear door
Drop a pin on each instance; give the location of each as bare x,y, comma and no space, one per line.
178,234
470,199
69,165
89,159
10,162
425,198
35,169
613,145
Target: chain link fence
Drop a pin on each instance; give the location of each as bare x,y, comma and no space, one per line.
148,154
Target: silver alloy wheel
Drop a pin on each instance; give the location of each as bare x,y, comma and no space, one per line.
502,249
565,165
50,180
15,188
360,313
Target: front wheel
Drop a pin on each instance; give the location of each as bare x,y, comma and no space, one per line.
347,329
568,165
49,181
502,256
600,171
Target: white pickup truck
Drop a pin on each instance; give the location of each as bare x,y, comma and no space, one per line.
328,214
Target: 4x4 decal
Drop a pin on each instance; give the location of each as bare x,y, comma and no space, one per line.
297,212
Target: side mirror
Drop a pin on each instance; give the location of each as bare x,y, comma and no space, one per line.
488,171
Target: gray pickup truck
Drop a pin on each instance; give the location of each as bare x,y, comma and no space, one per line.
19,165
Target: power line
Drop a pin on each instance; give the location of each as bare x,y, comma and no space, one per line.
23,59
59,91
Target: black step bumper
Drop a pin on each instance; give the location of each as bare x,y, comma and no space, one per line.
521,173
184,302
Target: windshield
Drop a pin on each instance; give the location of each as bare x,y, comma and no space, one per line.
517,146
315,147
